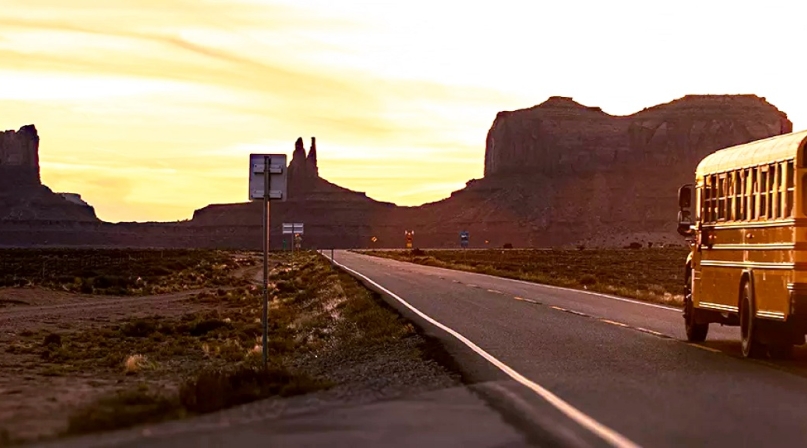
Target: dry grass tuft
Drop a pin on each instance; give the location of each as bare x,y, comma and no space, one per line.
137,363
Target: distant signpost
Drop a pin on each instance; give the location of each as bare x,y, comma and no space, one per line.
267,182
296,230
410,234
464,239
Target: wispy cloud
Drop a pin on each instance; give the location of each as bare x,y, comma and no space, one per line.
149,107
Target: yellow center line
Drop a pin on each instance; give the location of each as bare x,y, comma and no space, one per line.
470,285
709,349
650,331
613,322
559,308
495,291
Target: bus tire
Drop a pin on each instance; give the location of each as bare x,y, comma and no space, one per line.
751,346
696,332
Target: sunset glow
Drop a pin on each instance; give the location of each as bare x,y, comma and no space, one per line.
149,108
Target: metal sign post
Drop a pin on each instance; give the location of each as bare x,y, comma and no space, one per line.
266,228
267,182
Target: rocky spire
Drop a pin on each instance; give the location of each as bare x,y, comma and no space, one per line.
311,161
298,156
303,170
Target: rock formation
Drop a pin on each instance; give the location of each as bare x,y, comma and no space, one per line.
556,174
330,213
22,195
561,136
585,175
19,159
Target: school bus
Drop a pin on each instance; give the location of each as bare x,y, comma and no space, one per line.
747,232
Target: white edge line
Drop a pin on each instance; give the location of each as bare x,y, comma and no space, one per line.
543,285
607,434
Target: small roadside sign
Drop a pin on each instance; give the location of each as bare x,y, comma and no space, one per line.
293,228
464,238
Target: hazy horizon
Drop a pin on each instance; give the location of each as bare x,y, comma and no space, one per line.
148,108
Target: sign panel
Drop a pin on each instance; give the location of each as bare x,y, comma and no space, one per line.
464,238
293,228
278,178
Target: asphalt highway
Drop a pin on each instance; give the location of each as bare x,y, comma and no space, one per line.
595,370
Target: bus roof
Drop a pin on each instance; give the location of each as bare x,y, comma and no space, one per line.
769,150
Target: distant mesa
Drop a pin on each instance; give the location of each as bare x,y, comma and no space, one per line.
558,173
561,136
23,198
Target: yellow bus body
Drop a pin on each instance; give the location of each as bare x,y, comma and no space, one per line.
750,227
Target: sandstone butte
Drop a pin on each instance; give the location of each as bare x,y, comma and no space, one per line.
556,174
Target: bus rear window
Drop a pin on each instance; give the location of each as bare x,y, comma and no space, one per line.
804,193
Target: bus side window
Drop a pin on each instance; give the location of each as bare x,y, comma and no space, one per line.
789,185
752,196
774,198
730,196
707,199
763,192
738,195
804,193
782,188
721,205
713,202
745,189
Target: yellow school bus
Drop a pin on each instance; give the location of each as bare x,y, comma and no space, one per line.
748,236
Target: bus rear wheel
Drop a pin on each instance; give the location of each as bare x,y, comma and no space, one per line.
751,346
696,332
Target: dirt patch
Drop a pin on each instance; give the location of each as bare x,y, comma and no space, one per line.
44,376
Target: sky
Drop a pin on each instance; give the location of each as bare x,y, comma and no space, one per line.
150,108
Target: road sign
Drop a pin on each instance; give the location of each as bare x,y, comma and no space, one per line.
267,182
409,237
293,228
464,238
277,177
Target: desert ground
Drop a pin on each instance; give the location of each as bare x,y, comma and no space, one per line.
96,340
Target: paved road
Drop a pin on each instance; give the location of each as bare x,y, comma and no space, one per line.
597,367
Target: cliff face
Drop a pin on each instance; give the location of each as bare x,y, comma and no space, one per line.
19,159
561,136
584,175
